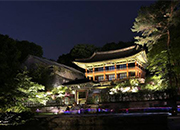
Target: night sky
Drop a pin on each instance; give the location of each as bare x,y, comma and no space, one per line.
58,25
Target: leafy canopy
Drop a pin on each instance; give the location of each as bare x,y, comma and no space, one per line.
154,21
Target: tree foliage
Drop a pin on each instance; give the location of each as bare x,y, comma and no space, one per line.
86,50
9,57
15,100
157,26
42,75
65,59
28,48
155,21
115,46
130,85
155,83
11,87
82,51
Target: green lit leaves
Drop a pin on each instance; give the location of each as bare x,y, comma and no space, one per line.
156,83
59,91
154,21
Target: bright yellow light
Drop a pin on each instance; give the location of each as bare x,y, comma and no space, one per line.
73,92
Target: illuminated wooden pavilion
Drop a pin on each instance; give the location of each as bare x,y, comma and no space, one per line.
115,65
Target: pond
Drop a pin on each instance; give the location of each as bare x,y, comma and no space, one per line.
95,122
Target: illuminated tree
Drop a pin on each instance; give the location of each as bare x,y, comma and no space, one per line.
42,75
156,83
130,85
156,24
25,91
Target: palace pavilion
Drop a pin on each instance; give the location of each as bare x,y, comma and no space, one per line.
103,70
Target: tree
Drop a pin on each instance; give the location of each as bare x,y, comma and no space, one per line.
115,46
42,75
65,59
130,85
85,51
155,23
9,57
155,83
175,55
28,48
15,100
77,52
82,51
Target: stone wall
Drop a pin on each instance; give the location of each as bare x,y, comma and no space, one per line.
136,104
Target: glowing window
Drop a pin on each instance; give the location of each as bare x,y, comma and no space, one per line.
100,69
111,77
100,78
111,68
121,66
123,75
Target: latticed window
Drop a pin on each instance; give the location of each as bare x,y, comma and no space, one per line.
111,77
131,73
111,67
100,69
100,78
123,75
121,66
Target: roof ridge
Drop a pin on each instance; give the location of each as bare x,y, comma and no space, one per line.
56,63
114,51
107,52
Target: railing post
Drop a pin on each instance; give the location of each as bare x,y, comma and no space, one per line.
104,72
127,70
86,73
93,75
115,71
135,69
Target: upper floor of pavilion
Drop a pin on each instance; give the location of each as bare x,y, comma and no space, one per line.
118,57
123,63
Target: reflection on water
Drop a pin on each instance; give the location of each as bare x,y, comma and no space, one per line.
100,127
154,122
113,128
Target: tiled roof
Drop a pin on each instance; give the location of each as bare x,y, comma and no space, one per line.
114,54
79,81
49,62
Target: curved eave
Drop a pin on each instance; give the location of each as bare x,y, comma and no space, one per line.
107,52
141,56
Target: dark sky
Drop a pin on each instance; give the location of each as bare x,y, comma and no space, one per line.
58,25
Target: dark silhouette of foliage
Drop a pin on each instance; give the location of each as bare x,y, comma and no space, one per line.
28,48
12,53
85,51
114,46
9,57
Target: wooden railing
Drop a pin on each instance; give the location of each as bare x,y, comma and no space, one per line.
123,97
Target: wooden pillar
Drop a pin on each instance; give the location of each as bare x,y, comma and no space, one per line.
93,75
140,73
86,73
115,71
87,92
76,97
135,69
104,72
127,70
